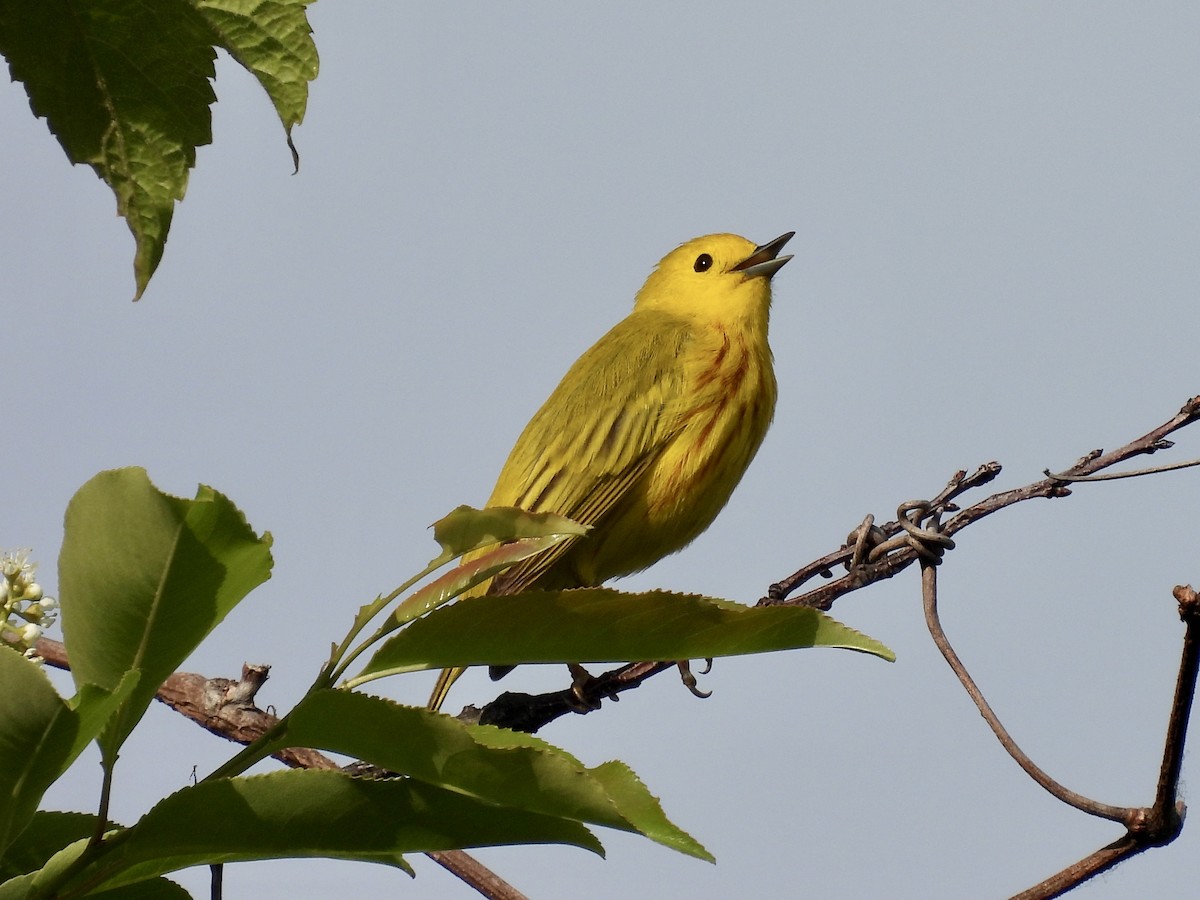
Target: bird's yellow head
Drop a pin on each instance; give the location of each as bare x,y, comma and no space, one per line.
719,278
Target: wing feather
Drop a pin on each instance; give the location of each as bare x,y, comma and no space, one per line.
580,456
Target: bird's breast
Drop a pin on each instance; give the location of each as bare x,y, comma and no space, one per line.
717,427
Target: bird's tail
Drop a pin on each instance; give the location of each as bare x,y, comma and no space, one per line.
446,678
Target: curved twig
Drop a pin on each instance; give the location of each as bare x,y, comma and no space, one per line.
1065,794
1113,476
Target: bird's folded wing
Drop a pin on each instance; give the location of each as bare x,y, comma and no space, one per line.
593,440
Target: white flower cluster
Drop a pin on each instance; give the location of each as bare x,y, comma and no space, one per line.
26,611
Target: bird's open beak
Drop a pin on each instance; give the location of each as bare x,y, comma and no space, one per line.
765,260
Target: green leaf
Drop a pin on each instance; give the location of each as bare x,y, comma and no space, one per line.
604,625
144,577
39,862
318,814
55,869
494,765
49,833
272,40
96,706
153,889
33,759
126,88
466,528
37,731
46,834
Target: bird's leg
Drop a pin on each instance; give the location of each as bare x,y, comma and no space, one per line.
689,680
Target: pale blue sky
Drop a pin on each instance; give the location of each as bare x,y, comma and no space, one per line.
997,210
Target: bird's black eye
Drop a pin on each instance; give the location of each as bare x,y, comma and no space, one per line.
703,263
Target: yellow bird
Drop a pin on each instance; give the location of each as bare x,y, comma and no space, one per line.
651,429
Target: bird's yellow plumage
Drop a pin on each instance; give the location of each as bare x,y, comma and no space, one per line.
651,429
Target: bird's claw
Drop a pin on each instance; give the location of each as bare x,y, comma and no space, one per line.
689,680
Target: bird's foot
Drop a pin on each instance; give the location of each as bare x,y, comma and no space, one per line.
580,679
689,680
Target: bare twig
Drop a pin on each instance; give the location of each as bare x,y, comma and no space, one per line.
893,563
1087,805
1113,476
877,570
220,705
476,874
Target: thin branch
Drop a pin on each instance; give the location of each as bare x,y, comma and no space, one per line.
530,712
1066,795
1185,692
476,874
222,706
1113,476
1049,488
1162,823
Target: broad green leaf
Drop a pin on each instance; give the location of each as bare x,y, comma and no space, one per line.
41,734
50,832
319,814
494,765
465,529
35,883
46,834
153,889
37,731
95,706
604,625
143,577
24,886
639,805
126,88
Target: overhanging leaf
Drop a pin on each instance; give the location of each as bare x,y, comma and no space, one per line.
604,625
125,86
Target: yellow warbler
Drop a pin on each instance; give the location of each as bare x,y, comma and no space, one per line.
652,428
